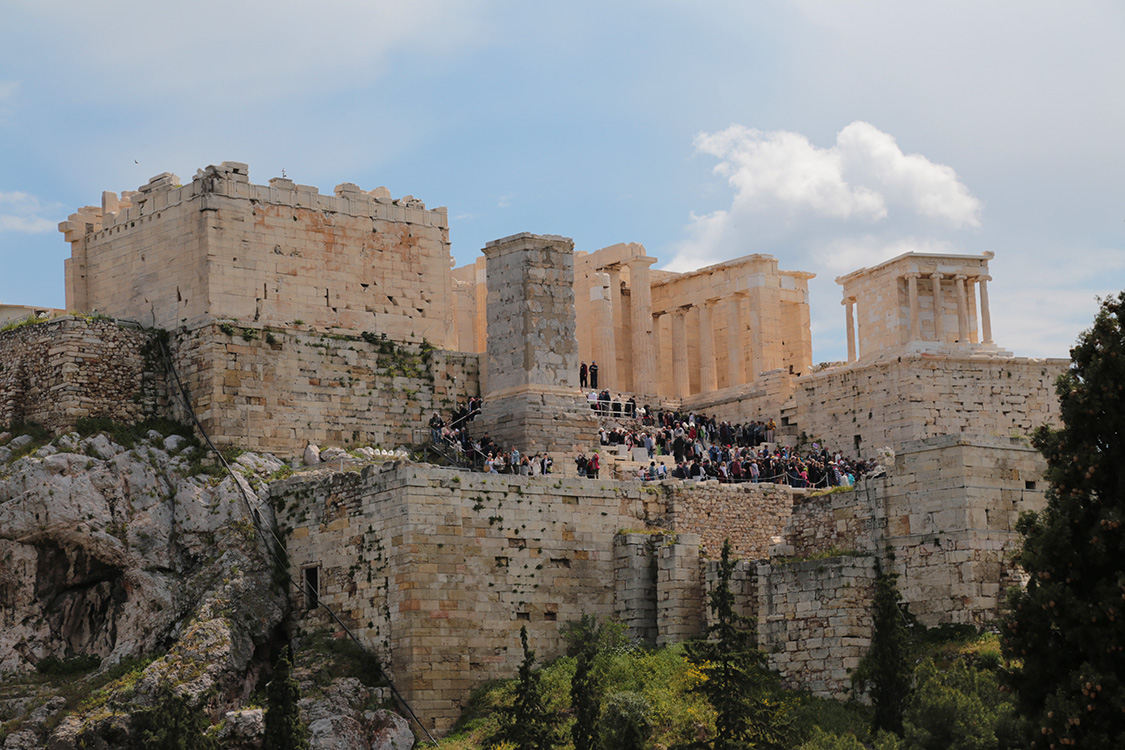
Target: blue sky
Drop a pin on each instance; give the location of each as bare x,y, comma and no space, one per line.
832,135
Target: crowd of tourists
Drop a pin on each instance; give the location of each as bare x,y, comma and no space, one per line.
701,448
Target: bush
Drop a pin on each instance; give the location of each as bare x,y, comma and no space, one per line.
626,722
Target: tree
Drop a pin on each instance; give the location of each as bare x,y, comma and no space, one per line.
586,641
526,723
886,667
1066,631
738,685
284,728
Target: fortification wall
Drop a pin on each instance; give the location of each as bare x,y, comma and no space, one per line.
276,389
863,407
750,515
814,620
56,372
440,568
219,247
947,510
464,560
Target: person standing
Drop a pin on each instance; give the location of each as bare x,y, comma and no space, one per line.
582,376
593,374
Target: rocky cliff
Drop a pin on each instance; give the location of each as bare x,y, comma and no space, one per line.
130,570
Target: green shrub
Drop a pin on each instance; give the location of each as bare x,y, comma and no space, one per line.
626,722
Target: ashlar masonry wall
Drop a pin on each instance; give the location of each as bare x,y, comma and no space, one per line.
440,568
220,247
863,407
276,389
56,372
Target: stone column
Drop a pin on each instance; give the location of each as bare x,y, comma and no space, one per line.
912,293
939,309
849,305
709,378
962,310
644,350
985,316
736,364
680,379
601,309
610,370
532,400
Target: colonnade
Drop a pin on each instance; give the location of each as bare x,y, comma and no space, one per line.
961,283
708,345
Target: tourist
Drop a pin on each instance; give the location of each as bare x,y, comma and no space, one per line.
593,374
582,376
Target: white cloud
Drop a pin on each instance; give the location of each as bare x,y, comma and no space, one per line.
21,212
861,199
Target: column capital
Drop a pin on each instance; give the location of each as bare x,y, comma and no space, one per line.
911,275
638,260
847,301
983,277
937,275
960,277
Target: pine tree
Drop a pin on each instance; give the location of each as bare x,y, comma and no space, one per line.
1066,631
586,642
885,667
738,685
284,728
527,723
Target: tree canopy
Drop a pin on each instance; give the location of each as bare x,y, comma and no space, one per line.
1067,629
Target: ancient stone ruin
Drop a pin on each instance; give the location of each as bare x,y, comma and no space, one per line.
293,318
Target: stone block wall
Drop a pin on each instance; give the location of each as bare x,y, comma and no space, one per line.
679,589
860,408
814,620
169,255
634,581
56,372
947,509
441,568
276,389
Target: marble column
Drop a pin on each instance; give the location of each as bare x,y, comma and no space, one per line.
939,309
608,372
912,294
708,380
849,305
985,316
640,304
736,362
601,307
680,379
962,310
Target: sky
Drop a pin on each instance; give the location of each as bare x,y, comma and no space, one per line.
831,135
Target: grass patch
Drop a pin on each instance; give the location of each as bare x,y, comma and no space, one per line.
128,435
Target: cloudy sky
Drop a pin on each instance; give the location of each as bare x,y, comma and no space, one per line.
831,135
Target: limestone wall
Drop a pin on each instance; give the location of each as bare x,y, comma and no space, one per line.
442,568
860,408
277,389
947,510
56,372
216,247
814,620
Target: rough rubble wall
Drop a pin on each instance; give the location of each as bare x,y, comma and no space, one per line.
750,515
921,396
277,389
221,247
56,372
